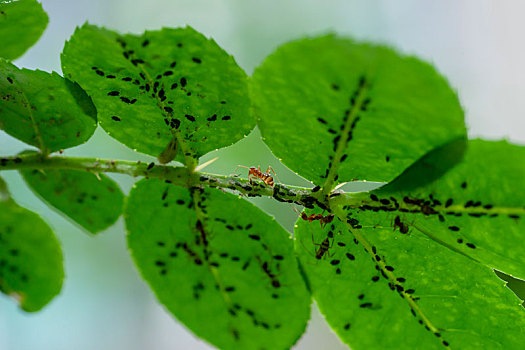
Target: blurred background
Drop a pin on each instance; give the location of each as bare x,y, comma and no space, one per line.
477,44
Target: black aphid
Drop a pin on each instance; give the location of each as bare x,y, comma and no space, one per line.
175,123
136,61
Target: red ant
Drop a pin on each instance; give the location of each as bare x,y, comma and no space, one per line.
322,248
323,220
256,173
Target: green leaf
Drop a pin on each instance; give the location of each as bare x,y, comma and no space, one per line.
171,84
21,24
31,269
44,110
336,110
220,265
381,289
93,201
477,208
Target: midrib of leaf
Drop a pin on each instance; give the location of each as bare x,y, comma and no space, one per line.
483,211
390,274
196,197
349,119
27,105
189,160
361,200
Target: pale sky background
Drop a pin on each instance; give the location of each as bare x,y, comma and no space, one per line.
477,44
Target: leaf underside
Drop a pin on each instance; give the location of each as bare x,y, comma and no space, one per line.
31,269
21,24
94,202
167,91
404,290
477,208
43,109
337,110
410,267
220,265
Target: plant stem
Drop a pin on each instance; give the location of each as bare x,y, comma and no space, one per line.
177,175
